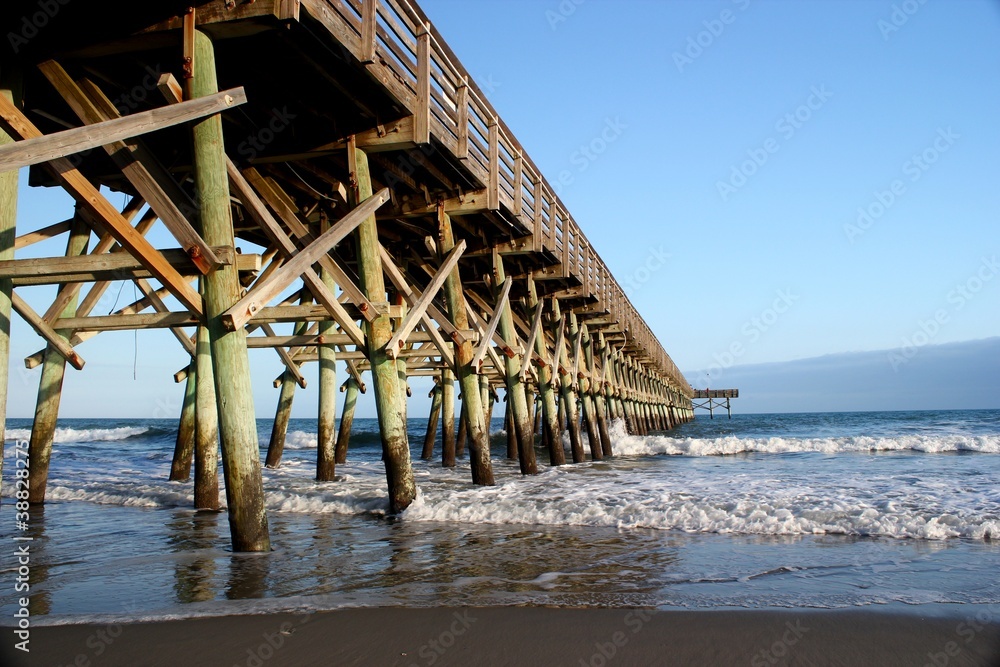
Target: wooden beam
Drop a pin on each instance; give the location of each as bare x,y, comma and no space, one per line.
150,179
246,307
477,358
90,197
51,336
43,234
418,309
536,325
45,148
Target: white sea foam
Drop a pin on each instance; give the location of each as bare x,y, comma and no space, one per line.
81,435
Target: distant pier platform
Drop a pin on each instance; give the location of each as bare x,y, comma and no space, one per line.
714,398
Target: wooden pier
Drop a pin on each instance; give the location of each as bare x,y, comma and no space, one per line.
714,398
340,192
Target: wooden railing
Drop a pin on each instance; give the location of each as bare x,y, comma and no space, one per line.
407,54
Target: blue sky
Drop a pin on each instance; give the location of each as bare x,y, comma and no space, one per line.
745,138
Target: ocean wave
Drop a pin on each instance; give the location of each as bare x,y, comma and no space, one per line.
634,445
84,435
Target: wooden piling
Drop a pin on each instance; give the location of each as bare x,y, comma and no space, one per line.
510,430
351,389
517,400
206,422
552,433
568,390
180,469
432,422
326,430
237,424
378,331
587,392
447,418
10,89
279,431
479,437
43,429
463,430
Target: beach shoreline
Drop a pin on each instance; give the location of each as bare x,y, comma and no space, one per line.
443,636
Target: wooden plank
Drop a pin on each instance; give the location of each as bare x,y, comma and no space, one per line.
45,148
246,307
51,336
477,358
111,266
153,182
422,120
418,309
43,234
493,188
90,197
259,212
368,25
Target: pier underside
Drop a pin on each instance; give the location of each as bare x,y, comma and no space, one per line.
323,164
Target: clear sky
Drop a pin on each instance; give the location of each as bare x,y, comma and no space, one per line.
771,180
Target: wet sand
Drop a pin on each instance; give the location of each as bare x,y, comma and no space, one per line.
470,636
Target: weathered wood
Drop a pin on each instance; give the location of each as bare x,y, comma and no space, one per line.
206,440
418,309
326,427
237,424
587,394
276,443
517,399
153,182
180,468
245,308
347,419
552,432
108,266
399,474
482,467
10,90
86,194
448,418
57,343
432,421
511,430
43,234
490,330
462,437
568,389
50,147
43,428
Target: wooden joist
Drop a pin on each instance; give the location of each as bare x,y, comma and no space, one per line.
45,148
110,267
85,193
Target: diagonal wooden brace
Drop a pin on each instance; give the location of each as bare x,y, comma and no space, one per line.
477,358
259,212
45,148
84,192
153,182
418,309
529,346
245,308
58,343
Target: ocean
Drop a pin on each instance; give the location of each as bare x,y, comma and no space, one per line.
896,510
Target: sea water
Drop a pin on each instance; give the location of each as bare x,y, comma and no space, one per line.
758,511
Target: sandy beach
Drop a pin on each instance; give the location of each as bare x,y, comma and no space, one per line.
525,636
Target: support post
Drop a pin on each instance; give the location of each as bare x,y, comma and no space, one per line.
276,444
180,469
516,398
43,429
8,233
508,424
326,433
347,418
482,467
395,452
237,424
569,394
587,393
206,440
432,422
552,433
447,418
462,439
